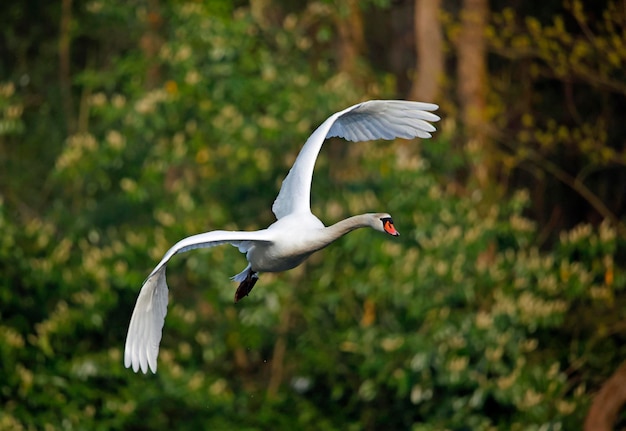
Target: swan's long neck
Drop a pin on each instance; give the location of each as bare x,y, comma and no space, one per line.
342,227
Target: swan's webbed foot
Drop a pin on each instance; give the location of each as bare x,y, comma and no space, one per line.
246,286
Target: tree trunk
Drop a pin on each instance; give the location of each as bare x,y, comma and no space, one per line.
151,43
266,13
65,79
607,402
429,51
279,355
351,40
472,83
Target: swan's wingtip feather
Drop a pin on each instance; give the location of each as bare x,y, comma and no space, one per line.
146,324
368,120
153,365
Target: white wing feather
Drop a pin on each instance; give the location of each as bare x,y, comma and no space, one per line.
146,323
375,119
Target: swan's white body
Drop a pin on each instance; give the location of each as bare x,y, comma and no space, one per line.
296,234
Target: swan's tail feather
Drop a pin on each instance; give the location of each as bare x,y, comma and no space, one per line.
242,275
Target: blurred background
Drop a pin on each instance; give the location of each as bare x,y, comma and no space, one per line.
126,126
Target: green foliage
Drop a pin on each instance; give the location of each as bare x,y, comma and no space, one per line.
11,109
452,326
458,323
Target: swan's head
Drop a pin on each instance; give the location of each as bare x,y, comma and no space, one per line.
384,223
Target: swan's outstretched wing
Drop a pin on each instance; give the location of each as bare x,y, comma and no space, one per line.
146,323
375,119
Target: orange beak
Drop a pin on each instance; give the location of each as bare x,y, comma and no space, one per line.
390,228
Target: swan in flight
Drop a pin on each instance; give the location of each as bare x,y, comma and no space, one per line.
296,234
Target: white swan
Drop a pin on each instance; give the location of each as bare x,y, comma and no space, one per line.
296,234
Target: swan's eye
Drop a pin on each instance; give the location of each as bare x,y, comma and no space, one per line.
389,227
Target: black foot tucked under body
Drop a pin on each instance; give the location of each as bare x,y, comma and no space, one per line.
246,286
